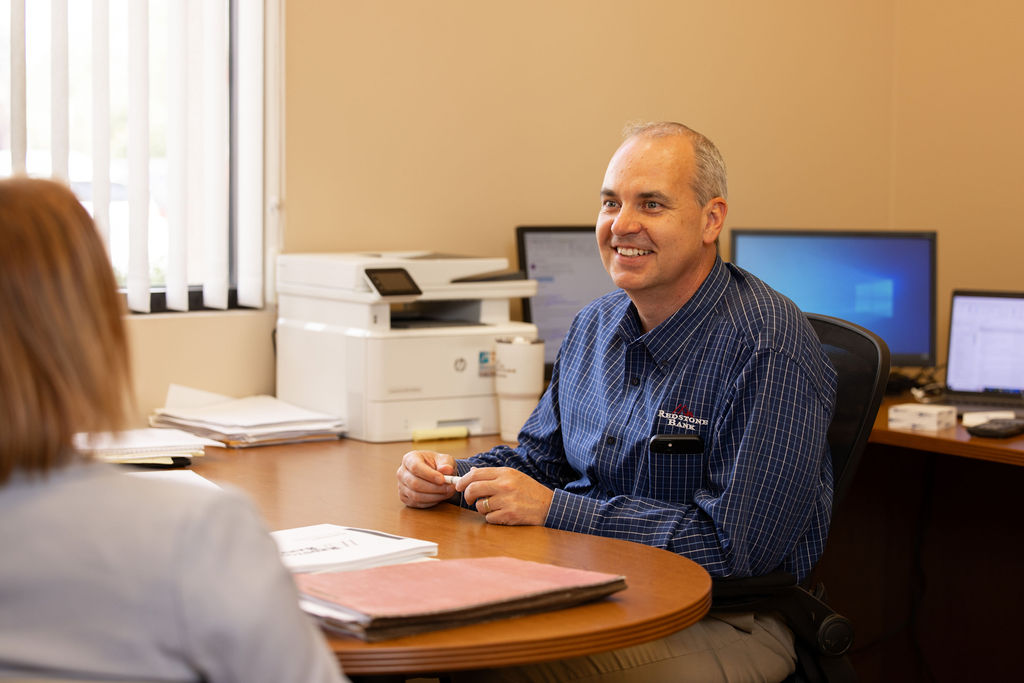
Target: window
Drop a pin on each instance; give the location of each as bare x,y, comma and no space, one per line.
153,112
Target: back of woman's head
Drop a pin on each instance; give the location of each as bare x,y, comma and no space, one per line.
64,362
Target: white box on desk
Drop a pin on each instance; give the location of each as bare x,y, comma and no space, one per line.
921,417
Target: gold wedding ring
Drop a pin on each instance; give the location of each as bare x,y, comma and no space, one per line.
487,505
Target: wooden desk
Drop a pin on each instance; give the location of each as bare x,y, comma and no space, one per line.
952,441
917,552
352,483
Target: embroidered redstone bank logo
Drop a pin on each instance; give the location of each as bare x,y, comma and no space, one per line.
682,417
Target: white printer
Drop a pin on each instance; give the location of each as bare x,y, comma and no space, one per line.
395,342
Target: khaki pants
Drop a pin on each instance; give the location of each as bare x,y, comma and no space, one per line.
727,647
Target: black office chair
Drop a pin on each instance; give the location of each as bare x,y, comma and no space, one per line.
861,360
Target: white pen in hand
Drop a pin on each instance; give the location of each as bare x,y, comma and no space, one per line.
452,479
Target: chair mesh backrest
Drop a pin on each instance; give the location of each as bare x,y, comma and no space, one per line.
861,360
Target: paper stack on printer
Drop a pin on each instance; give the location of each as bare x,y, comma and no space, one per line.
239,422
159,447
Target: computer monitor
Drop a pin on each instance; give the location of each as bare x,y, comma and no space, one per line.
566,263
884,281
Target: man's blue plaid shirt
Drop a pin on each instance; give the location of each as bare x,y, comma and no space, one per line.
739,365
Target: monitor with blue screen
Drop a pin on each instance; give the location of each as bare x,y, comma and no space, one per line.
565,262
884,281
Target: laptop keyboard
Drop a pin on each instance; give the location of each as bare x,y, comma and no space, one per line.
982,403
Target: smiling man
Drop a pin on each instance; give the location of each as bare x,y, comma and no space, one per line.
690,350
656,233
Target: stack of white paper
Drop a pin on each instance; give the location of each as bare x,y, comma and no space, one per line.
329,547
144,446
249,421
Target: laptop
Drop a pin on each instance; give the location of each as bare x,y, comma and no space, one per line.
985,366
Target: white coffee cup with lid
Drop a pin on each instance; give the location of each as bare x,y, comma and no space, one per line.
518,382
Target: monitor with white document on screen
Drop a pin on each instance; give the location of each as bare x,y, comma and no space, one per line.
566,263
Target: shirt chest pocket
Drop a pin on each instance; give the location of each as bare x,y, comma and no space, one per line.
673,477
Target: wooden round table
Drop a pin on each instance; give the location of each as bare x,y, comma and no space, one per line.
352,483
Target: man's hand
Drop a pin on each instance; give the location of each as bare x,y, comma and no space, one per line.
421,481
506,496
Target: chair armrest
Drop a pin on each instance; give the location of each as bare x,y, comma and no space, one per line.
749,592
812,621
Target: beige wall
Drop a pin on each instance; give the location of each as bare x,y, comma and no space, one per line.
444,124
958,141
229,353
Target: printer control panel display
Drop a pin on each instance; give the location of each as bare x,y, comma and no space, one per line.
392,281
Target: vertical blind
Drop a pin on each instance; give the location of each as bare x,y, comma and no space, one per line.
174,90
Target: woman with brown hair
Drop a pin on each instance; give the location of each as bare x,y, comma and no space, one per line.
104,575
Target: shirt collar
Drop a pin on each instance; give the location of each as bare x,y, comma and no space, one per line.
665,341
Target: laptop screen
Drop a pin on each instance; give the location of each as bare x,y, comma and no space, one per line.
986,338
